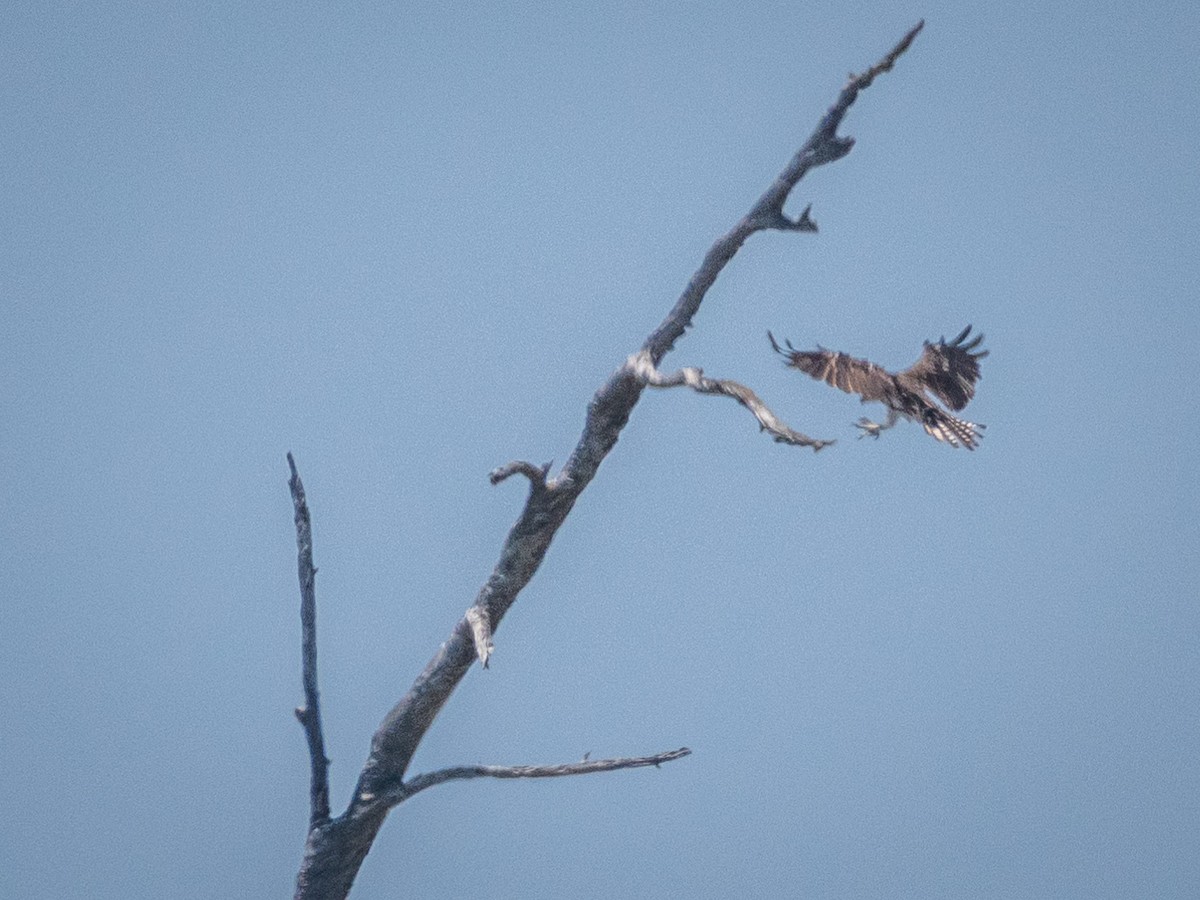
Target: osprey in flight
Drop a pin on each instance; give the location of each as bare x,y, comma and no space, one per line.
947,370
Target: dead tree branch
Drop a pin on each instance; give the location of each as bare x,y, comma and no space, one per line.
584,767
336,848
697,381
310,713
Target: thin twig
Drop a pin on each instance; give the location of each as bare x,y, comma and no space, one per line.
535,474
310,713
694,378
584,767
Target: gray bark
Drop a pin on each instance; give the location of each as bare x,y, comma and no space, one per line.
336,846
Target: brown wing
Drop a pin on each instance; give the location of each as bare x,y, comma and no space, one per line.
949,370
852,375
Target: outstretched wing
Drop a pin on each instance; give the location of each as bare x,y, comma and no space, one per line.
949,370
852,375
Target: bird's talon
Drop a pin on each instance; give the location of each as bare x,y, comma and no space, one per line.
869,428
947,369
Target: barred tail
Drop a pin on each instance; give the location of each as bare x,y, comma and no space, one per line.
945,427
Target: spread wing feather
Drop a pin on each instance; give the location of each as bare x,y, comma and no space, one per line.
850,374
949,370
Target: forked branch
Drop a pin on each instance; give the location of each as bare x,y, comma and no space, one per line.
696,379
823,146
336,847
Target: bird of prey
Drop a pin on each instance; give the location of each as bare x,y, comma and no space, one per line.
946,370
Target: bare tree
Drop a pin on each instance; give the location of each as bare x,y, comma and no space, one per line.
337,845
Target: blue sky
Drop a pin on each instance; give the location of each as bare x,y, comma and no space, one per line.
407,243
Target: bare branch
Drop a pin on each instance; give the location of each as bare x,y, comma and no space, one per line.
697,381
334,852
858,82
535,474
478,616
584,767
823,146
310,713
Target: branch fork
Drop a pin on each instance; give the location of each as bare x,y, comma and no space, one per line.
336,847
775,219
641,365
